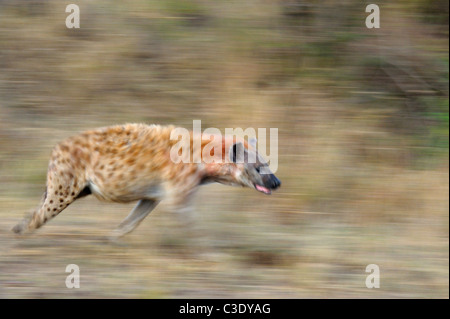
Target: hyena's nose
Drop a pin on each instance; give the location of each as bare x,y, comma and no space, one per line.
275,182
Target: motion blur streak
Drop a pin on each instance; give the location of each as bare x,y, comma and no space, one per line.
362,119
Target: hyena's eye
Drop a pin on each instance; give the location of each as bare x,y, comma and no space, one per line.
257,169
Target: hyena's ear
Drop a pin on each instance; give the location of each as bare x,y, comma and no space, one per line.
236,152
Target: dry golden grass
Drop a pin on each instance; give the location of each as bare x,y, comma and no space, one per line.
356,188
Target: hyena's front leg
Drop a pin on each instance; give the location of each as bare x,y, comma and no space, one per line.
180,202
139,212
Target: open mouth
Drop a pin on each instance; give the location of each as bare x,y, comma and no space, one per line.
263,189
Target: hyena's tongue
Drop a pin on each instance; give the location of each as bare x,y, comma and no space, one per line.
263,189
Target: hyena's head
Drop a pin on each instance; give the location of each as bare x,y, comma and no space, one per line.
251,169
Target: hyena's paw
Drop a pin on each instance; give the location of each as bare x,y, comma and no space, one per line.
22,226
115,240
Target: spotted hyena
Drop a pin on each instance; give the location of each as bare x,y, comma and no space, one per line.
133,162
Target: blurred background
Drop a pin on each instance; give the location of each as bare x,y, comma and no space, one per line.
362,116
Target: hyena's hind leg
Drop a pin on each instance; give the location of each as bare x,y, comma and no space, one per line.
62,189
137,215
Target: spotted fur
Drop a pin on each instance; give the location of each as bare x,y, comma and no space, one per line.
132,162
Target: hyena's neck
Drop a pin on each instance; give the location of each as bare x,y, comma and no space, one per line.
218,172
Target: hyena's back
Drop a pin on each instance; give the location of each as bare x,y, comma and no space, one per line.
119,163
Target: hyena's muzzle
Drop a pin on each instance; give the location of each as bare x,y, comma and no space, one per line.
252,169
270,182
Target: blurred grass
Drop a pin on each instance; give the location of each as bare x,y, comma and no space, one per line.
363,145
